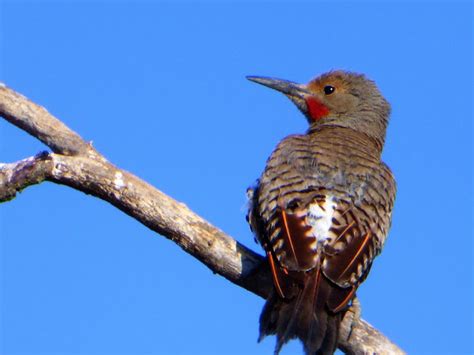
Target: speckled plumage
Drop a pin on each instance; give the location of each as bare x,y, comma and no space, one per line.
321,210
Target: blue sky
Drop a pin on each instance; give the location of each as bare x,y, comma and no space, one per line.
160,89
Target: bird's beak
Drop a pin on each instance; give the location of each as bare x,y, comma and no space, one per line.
295,92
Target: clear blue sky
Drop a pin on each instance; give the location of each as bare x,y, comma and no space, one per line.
160,89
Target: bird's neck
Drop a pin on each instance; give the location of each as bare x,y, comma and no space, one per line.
347,133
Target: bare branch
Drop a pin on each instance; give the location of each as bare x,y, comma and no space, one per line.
15,177
38,122
76,164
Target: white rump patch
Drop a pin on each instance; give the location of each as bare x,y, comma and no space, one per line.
320,219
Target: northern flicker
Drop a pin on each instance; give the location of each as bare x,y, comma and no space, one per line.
322,207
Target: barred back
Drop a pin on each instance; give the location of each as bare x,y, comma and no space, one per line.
322,211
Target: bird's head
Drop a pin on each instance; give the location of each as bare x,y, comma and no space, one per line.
337,98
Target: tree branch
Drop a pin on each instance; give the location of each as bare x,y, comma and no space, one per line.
77,164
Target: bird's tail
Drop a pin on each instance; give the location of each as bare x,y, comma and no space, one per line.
304,316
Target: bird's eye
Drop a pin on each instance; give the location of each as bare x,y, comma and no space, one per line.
328,89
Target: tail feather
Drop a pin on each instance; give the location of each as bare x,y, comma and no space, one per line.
305,316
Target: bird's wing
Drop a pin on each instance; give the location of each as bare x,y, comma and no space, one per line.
330,234
348,256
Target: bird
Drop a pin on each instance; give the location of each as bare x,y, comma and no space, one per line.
322,207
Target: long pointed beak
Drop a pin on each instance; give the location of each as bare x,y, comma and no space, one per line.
289,88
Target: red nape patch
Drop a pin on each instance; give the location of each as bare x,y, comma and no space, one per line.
316,109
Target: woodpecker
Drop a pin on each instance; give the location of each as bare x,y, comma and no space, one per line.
322,207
